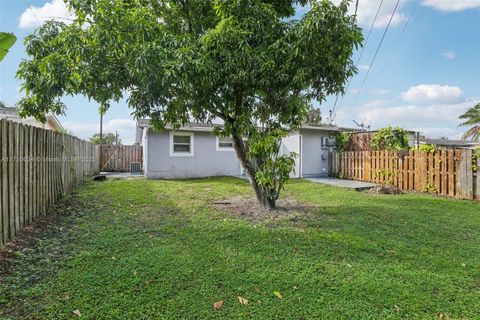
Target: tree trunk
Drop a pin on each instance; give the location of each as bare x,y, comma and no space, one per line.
250,172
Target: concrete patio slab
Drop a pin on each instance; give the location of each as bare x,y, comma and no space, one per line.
122,175
343,183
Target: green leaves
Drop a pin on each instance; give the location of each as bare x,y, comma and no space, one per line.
273,168
7,40
243,61
472,118
390,139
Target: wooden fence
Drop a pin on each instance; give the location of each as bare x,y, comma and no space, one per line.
444,172
118,158
37,166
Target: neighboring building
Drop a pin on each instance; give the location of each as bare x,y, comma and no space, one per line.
12,114
451,144
194,151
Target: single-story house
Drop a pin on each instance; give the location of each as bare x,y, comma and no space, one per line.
194,151
13,114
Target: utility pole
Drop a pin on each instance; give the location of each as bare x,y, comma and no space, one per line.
101,128
101,139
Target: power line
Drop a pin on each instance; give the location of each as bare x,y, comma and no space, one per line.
400,37
376,52
369,32
358,60
409,17
332,112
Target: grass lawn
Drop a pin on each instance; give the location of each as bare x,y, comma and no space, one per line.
142,249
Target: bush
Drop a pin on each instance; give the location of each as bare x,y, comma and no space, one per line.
342,140
390,139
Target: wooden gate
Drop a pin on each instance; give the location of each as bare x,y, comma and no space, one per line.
118,158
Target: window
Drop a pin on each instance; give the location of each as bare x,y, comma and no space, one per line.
224,144
181,144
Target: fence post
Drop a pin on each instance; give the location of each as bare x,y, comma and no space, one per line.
478,179
465,175
31,174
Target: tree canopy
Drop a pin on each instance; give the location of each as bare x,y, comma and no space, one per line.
246,62
107,138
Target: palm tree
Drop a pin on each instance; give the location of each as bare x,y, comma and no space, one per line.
472,118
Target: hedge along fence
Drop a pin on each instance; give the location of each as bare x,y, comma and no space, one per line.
37,167
444,172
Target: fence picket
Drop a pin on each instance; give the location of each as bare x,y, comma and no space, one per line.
445,172
34,173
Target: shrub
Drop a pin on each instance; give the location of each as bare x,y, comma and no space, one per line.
390,139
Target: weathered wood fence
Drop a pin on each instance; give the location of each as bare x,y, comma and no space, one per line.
444,172
118,158
37,166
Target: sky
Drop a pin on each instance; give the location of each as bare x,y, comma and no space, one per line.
426,72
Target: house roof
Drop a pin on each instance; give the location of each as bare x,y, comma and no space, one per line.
13,114
196,126
450,143
374,131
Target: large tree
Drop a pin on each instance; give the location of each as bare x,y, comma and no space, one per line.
246,62
472,118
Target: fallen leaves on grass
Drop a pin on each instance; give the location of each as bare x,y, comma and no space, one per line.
278,294
218,305
242,300
77,313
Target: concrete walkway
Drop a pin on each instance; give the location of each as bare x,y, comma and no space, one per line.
343,183
122,175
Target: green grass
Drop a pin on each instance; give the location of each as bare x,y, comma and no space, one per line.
157,250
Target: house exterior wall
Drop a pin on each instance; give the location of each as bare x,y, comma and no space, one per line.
314,156
205,160
292,143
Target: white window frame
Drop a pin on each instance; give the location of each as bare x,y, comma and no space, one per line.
223,149
181,154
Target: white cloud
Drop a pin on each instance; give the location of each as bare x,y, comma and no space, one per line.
125,128
434,132
368,8
451,5
379,91
356,90
450,55
433,120
34,17
363,67
375,103
433,93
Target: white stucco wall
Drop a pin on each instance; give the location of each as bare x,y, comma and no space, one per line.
314,160
206,160
292,143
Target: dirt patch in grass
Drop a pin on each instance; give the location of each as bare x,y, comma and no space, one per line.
34,255
385,189
249,208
